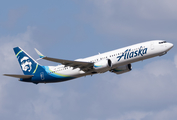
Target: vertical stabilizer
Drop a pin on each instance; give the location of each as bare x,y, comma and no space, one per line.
27,63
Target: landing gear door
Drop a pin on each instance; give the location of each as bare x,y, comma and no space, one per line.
42,76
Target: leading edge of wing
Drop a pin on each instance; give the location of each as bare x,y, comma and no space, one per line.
67,62
75,64
19,76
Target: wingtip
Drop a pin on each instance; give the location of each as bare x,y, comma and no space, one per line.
39,53
4,74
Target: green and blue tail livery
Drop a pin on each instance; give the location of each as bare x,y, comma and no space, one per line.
27,63
33,72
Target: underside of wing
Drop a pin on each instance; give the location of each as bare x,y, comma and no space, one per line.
19,76
85,66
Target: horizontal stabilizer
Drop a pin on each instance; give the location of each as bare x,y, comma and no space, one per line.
19,76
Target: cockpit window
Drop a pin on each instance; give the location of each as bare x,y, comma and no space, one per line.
162,42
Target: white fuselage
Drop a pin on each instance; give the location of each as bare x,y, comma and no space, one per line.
119,57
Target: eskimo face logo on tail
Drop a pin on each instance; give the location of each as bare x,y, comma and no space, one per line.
130,54
26,64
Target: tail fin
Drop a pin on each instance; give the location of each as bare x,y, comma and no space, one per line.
27,63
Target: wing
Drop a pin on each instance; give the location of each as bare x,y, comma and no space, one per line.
85,66
19,76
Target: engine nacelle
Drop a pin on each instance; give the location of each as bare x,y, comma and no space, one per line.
122,69
103,65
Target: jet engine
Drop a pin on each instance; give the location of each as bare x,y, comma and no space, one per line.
122,69
103,65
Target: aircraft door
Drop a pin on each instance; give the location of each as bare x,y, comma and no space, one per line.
42,76
152,46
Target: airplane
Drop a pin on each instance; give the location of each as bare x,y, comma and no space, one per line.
117,61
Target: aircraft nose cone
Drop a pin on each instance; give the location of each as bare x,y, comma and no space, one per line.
170,46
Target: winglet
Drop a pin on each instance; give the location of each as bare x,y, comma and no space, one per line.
40,54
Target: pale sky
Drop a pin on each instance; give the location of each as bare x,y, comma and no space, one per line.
72,29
